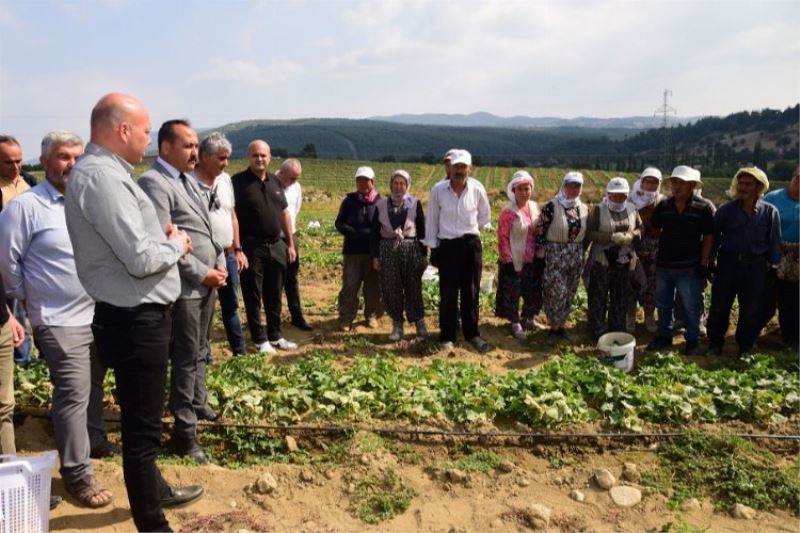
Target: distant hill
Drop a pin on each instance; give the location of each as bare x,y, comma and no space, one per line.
768,138
483,118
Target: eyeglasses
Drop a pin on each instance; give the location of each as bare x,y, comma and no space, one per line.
213,200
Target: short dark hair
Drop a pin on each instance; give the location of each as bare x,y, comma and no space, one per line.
8,139
167,130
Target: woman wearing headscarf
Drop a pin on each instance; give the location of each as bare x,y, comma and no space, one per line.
354,221
645,195
560,234
516,232
399,256
612,229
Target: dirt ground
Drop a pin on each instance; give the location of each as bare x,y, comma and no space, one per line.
314,499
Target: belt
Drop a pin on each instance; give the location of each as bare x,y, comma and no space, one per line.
256,242
467,237
135,308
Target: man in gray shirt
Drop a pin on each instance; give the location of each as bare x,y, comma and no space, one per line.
127,262
178,201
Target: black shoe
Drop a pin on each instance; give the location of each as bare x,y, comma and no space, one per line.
714,350
181,495
480,345
692,349
659,343
104,450
301,324
207,414
55,500
190,449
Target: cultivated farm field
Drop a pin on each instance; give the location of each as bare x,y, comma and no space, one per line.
354,433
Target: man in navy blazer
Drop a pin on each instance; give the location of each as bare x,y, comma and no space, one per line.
178,201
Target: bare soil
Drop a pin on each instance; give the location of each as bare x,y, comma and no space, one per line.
318,501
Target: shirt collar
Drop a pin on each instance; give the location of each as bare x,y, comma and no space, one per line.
52,192
466,185
96,149
172,171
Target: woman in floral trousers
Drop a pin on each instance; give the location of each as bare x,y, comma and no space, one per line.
560,234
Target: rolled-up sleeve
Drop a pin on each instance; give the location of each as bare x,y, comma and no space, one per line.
14,241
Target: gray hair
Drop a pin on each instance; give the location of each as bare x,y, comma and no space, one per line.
291,164
8,139
59,138
214,143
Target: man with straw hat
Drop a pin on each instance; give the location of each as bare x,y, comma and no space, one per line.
747,243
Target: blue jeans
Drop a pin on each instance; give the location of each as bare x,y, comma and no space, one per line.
229,303
688,286
22,355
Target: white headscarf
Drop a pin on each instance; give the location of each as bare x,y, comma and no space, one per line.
570,177
518,178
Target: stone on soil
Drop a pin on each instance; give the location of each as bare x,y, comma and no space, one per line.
266,484
743,512
630,472
506,466
291,444
577,495
626,496
604,479
537,515
456,476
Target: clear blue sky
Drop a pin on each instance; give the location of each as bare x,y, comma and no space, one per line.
217,62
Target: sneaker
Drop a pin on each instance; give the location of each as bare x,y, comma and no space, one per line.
422,329
446,346
703,331
284,344
480,345
659,343
650,323
517,332
534,324
397,331
372,323
692,349
345,326
265,347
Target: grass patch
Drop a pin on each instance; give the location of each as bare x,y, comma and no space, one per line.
477,461
727,469
380,497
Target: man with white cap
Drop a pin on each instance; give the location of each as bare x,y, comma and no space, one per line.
457,210
354,221
645,195
613,227
685,223
747,243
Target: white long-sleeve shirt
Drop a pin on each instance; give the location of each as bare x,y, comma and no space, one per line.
450,216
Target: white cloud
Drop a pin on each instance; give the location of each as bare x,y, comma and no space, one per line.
250,72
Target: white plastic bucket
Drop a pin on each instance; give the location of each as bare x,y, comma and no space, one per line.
617,349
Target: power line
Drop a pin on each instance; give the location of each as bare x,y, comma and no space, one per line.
665,111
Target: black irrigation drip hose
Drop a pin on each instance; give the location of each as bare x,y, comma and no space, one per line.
462,433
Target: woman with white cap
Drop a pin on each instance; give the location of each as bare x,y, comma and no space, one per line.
516,232
560,234
354,221
399,256
645,195
612,228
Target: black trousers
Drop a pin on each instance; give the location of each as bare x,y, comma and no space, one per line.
262,282
784,297
135,343
292,287
460,268
743,278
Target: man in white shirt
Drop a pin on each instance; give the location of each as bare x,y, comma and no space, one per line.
457,209
215,184
289,174
38,266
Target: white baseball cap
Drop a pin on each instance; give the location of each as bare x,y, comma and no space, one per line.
573,177
686,173
461,157
365,172
651,172
618,185
449,155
